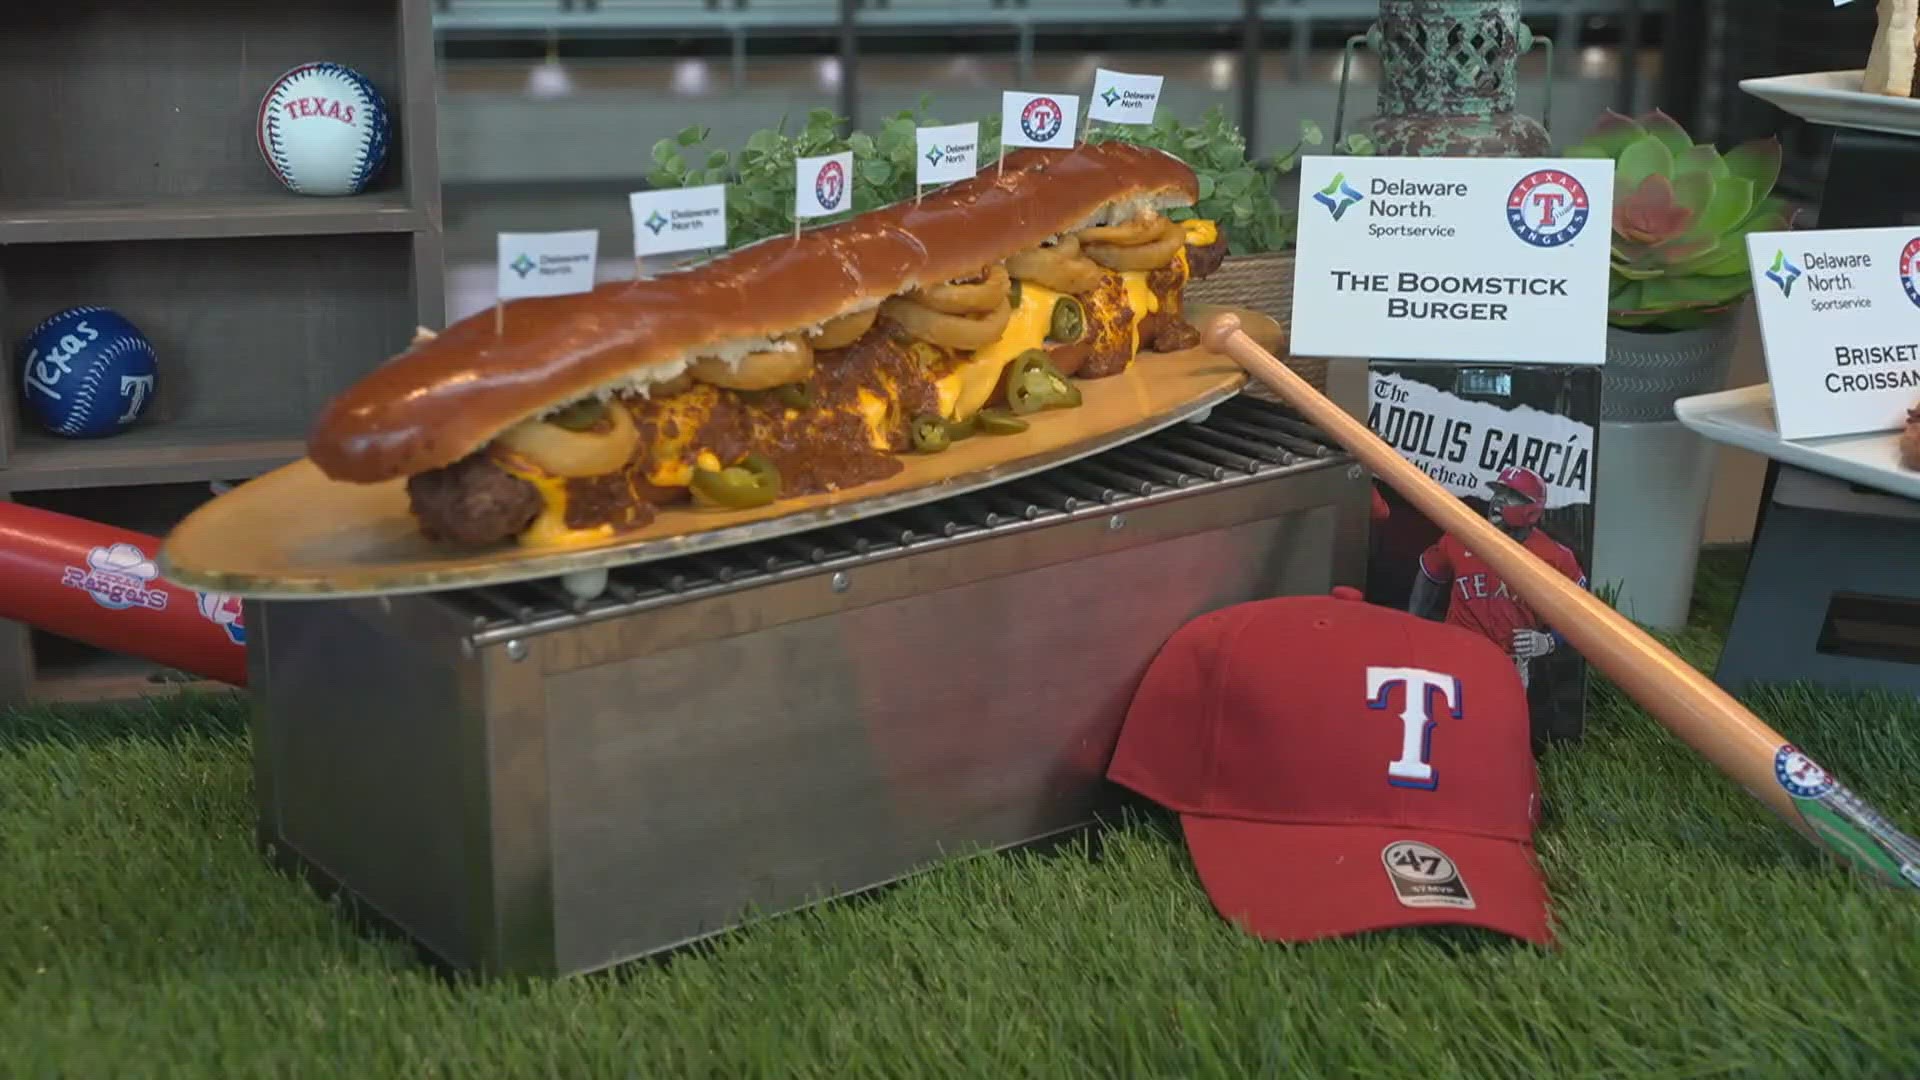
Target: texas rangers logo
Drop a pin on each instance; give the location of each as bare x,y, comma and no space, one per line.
224,611
1799,774
1547,208
830,185
1910,269
1041,119
118,577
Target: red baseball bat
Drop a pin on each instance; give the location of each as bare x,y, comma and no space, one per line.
98,584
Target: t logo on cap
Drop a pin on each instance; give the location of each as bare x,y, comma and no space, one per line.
1262,725
1418,688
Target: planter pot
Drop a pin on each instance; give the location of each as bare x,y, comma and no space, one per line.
1654,476
1262,283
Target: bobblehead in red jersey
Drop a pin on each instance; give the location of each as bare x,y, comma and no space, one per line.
1456,586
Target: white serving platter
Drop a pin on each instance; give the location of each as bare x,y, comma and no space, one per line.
1744,418
1834,98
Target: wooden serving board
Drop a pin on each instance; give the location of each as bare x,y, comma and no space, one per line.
294,534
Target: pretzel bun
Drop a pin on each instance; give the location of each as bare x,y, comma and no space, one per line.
448,396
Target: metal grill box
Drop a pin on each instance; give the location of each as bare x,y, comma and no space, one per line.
527,783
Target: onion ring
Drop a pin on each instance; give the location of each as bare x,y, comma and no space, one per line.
757,371
1061,268
1126,234
838,333
972,298
950,331
560,452
1152,255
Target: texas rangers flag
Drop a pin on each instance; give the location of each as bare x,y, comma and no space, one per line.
547,264
1047,121
947,153
822,186
1119,98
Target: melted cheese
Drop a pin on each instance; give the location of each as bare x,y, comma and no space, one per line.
1141,300
550,528
974,381
1200,232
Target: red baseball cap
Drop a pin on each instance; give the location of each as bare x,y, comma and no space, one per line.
1340,767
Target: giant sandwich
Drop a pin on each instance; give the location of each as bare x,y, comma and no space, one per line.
787,367
1891,69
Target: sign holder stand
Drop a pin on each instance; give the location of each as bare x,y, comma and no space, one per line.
1830,593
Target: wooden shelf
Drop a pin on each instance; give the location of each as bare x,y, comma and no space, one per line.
218,217
146,194
141,455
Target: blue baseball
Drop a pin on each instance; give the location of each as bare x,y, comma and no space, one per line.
87,372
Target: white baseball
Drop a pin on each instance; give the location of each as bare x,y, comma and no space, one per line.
324,129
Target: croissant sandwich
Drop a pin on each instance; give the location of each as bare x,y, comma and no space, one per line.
1896,44
788,367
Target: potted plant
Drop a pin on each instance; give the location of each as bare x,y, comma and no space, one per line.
1678,279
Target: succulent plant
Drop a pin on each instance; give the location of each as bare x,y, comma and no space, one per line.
1681,215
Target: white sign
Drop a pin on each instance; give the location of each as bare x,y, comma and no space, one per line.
1044,120
547,264
1500,260
1119,98
679,219
822,185
1840,317
1464,444
947,153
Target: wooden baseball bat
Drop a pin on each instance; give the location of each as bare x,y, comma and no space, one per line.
1680,697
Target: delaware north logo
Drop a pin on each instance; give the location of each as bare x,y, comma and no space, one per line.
1783,273
1111,97
1041,119
522,265
655,222
1548,208
1338,196
935,153
830,186
1910,270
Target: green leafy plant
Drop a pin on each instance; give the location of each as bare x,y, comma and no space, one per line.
1681,215
1236,191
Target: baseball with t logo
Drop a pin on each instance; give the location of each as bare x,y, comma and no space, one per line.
1548,208
87,372
324,130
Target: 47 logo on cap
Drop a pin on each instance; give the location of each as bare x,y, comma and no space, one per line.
1423,876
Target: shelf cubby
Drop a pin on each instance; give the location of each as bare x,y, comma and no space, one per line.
133,180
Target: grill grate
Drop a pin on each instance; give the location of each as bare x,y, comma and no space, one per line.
1245,438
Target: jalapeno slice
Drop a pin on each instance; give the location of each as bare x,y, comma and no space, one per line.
998,422
753,482
962,429
582,415
1013,291
930,434
1069,320
794,395
1033,383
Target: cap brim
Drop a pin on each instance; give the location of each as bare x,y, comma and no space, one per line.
1302,882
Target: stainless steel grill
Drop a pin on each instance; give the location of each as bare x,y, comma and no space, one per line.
525,782
1243,440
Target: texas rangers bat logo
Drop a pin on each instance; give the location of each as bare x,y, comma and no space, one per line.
1910,269
1547,208
1799,774
117,577
224,611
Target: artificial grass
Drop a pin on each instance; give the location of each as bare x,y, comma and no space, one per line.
141,935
